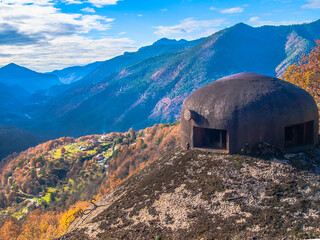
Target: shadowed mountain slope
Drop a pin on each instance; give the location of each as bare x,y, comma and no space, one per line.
31,81
12,100
161,46
153,90
13,139
73,74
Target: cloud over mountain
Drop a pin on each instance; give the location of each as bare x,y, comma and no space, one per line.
188,25
54,35
232,10
313,4
9,35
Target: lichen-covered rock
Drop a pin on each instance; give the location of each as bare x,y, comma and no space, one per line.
198,195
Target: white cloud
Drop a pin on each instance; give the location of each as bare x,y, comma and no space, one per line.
205,33
73,1
48,22
30,2
101,3
257,21
187,26
96,3
65,51
122,33
232,10
213,8
41,37
164,10
87,9
254,19
313,4
140,15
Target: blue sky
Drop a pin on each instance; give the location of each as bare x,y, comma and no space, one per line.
47,34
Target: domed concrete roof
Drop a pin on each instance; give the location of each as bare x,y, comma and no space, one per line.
251,107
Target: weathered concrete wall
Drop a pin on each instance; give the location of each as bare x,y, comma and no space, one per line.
252,108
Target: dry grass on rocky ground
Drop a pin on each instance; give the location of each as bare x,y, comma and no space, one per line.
198,195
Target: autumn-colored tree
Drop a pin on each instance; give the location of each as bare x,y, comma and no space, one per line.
132,133
3,200
7,188
10,229
38,165
127,159
11,197
99,148
306,74
4,179
33,162
33,173
42,171
63,150
40,225
71,214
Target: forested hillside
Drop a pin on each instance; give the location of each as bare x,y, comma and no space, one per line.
43,186
152,91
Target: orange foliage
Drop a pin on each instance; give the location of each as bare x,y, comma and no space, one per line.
10,229
39,165
63,150
133,158
40,225
68,216
33,162
129,158
306,74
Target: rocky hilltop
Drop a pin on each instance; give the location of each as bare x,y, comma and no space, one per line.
199,195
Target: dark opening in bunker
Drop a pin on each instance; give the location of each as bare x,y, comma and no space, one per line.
299,134
209,138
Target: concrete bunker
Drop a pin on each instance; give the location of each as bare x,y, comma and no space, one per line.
209,138
249,109
299,134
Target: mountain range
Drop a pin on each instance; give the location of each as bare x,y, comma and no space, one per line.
139,89
152,90
73,74
31,81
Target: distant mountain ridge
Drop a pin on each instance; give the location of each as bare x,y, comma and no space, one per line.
152,90
73,74
13,74
166,41
142,88
161,46
15,103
